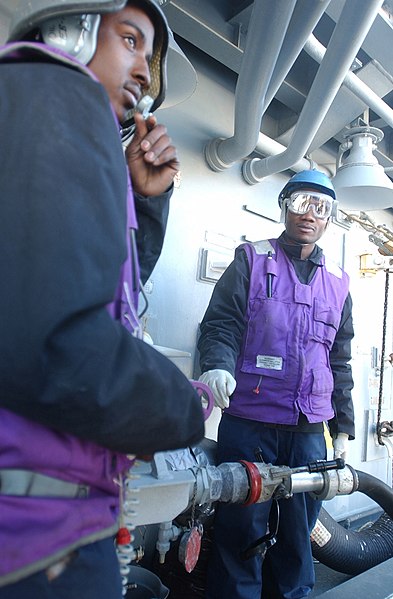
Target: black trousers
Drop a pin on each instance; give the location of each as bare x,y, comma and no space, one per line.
92,573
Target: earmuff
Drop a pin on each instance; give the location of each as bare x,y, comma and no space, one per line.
74,34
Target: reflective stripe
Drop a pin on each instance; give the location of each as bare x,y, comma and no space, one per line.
32,484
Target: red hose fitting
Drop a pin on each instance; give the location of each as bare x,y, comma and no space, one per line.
255,482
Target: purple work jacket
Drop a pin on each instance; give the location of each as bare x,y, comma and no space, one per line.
37,531
283,368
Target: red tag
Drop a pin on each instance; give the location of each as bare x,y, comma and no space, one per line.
189,548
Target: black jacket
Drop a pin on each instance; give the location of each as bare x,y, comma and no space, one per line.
64,362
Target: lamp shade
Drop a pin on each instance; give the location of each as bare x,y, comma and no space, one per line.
360,181
363,187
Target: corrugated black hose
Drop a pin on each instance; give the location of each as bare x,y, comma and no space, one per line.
350,551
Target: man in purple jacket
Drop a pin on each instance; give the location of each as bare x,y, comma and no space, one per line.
79,390
275,350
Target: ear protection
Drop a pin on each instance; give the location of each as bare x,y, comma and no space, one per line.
74,34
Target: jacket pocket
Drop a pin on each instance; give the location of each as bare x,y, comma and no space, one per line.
326,322
266,341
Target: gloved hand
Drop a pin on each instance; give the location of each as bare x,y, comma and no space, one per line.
340,446
222,385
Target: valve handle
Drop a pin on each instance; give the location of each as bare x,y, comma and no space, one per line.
311,467
321,466
325,465
206,395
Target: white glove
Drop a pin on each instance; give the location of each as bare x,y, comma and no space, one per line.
222,385
340,446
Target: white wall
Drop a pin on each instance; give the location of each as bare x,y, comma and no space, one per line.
205,202
210,203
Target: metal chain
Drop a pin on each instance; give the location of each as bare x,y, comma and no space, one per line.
193,504
192,522
380,398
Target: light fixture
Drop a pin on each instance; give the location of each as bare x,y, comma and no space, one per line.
360,181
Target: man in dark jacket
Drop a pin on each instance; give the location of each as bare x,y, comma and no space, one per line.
79,390
275,350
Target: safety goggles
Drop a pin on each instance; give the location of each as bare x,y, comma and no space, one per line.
300,202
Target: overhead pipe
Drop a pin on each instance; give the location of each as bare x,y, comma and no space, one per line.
268,24
263,70
317,51
355,18
305,17
269,147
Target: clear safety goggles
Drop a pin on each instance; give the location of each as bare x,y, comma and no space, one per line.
300,202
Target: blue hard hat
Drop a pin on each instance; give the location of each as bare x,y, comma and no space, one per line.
311,179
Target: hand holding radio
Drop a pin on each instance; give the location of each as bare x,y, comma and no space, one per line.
151,156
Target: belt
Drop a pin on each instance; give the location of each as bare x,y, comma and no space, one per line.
27,483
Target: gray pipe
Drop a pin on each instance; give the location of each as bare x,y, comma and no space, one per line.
266,32
262,71
317,51
305,17
355,18
269,147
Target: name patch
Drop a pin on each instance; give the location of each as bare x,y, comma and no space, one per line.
269,362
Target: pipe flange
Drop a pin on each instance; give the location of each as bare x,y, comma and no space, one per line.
373,132
212,155
337,482
255,482
248,171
